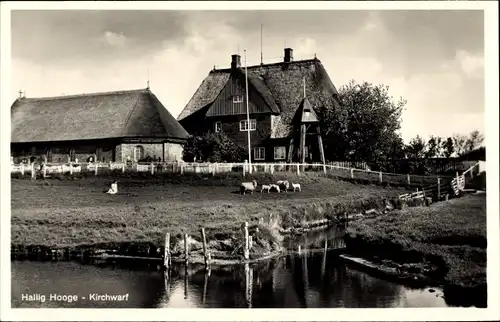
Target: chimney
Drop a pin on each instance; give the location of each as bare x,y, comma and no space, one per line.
235,61
288,55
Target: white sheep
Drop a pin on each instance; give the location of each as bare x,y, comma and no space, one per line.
265,187
283,184
296,186
275,186
250,186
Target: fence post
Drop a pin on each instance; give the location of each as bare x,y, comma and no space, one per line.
472,171
33,173
298,169
243,170
380,176
182,168
250,242
324,168
123,167
246,251
352,173
439,188
96,166
186,249
166,256
205,252
407,178
272,168
152,168
71,168
44,170
22,169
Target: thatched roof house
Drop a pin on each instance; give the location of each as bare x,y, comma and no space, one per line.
91,123
276,89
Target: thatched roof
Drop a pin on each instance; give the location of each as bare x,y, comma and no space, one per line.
281,86
135,113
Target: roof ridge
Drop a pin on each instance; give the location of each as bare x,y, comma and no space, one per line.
48,98
267,65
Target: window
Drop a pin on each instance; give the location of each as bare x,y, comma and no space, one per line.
138,153
217,127
259,153
238,99
279,153
307,113
72,155
244,125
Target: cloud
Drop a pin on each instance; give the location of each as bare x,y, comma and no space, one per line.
471,65
114,39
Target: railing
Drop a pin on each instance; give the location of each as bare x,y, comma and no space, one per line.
440,189
217,168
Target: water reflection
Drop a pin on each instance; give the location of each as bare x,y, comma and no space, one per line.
312,277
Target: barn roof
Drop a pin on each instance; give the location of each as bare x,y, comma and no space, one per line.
134,113
281,86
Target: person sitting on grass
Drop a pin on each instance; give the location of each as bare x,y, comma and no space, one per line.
114,188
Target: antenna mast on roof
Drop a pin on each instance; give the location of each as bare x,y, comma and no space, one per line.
147,87
261,59
20,94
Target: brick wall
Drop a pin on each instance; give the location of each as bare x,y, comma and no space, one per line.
173,151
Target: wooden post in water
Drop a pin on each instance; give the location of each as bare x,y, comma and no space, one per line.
166,255
205,286
246,251
185,280
186,250
205,251
248,284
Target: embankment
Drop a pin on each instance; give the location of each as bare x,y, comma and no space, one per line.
442,244
75,216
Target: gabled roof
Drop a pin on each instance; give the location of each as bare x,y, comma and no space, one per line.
135,113
280,84
305,113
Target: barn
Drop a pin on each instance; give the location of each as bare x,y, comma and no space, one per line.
109,126
283,102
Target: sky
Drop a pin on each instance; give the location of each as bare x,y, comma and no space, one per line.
433,59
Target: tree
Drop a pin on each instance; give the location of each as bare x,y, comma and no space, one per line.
460,143
474,141
434,147
212,147
448,147
416,148
365,127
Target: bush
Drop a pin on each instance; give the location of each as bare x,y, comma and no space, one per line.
213,147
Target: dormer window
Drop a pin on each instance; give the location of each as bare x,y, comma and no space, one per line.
237,99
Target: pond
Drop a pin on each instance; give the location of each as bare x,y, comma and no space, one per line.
313,278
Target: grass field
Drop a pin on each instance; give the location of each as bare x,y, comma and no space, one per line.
67,213
447,238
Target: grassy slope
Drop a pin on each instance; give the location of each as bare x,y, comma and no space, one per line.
450,235
72,212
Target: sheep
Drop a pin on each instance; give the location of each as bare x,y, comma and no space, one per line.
296,186
275,186
250,186
265,187
283,184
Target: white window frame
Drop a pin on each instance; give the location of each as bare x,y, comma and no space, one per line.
237,99
261,155
135,152
219,124
244,125
277,148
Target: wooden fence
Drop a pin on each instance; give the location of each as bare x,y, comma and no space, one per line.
218,168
